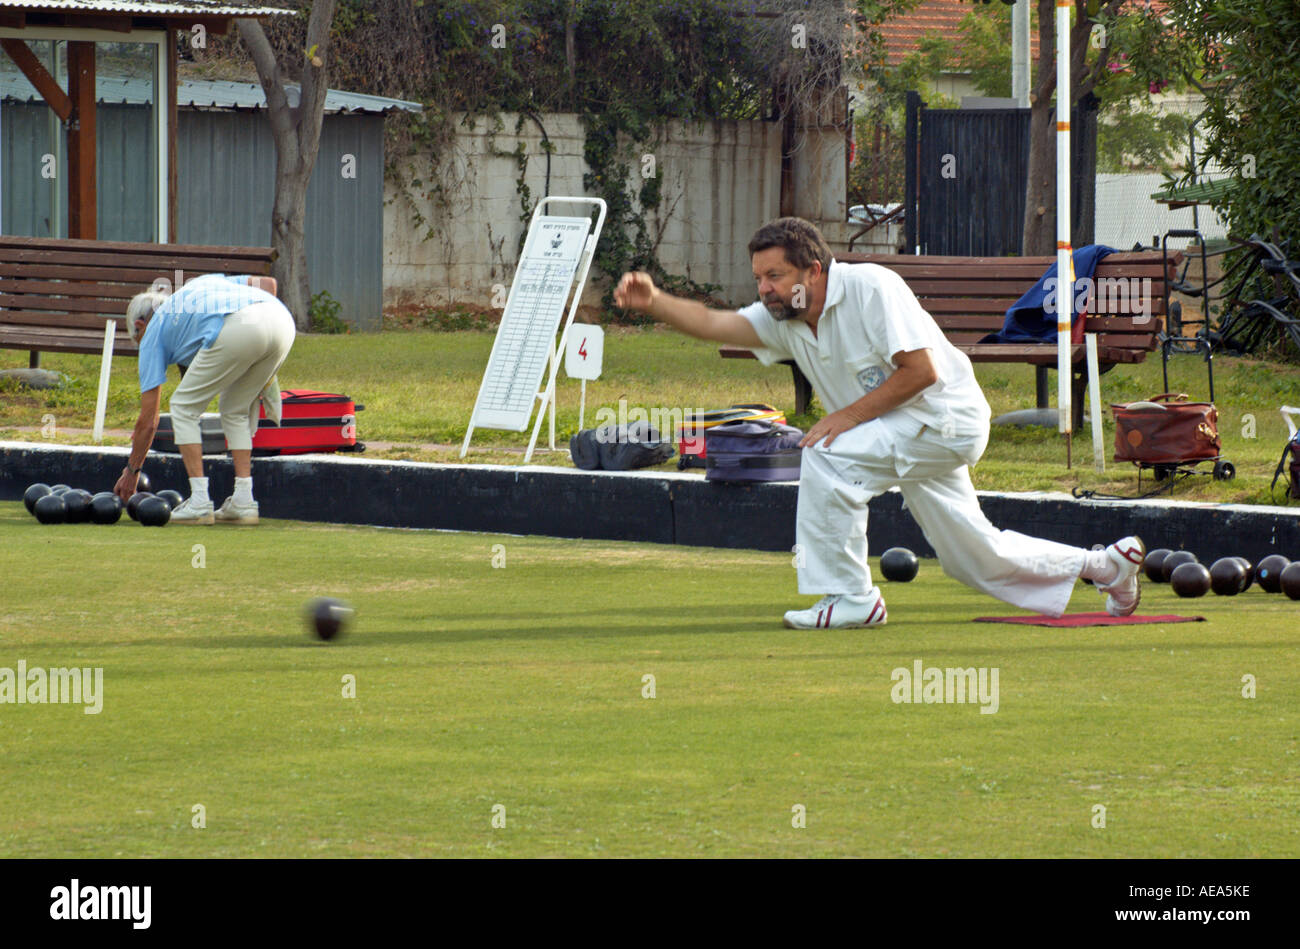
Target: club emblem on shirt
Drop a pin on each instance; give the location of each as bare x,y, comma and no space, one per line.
871,377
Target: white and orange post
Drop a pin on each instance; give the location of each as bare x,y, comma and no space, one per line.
1065,253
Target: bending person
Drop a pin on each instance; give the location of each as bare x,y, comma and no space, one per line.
230,335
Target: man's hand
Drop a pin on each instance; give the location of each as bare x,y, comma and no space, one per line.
141,438
125,486
635,291
829,427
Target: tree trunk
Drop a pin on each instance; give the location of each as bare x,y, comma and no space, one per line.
1039,238
296,131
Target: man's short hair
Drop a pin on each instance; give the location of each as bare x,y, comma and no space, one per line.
800,240
142,307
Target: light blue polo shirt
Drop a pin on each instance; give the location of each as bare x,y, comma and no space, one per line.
191,319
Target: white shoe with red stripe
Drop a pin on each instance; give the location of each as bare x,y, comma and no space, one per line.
839,611
1124,592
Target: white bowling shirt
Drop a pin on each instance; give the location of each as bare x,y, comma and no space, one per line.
869,315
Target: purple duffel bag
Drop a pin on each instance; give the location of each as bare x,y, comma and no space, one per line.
752,451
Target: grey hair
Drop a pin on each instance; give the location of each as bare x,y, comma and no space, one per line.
142,307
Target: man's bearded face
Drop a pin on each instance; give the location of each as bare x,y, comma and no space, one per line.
784,289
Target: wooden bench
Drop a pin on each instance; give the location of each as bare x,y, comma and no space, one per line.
969,296
56,295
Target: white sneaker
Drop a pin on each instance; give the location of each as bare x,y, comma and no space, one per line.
840,610
190,511
1125,592
233,513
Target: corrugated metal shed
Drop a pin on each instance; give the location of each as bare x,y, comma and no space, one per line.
226,178
146,8
208,94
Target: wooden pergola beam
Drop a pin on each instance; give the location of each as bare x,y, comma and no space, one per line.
82,203
173,119
38,76
116,24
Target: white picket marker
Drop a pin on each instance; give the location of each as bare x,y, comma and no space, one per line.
1094,391
583,358
105,366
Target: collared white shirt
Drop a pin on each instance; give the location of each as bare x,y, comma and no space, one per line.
869,315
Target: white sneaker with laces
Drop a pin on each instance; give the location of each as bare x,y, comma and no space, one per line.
840,610
190,511
233,513
1124,592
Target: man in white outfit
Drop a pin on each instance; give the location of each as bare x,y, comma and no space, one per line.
904,409
230,335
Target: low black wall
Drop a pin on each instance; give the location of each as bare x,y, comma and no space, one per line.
665,509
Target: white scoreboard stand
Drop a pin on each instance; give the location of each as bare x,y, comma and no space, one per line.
557,251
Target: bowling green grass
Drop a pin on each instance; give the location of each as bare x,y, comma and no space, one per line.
419,388
525,686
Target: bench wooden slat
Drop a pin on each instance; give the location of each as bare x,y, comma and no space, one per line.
164,263
1107,341
40,318
1046,355
54,340
138,277
924,287
69,288
1108,324
37,303
1043,262
56,244
1027,275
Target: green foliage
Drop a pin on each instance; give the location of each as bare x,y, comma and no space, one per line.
1244,57
323,315
1132,132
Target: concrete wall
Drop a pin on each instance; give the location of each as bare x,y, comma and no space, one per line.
721,180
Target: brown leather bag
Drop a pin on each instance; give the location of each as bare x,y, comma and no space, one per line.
1167,429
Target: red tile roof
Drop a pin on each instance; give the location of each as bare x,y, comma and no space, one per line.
903,34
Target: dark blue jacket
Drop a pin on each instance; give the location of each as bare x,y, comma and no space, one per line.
1027,321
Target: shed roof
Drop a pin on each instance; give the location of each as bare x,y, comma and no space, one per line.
146,7
209,95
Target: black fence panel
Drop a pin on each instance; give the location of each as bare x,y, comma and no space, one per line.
966,175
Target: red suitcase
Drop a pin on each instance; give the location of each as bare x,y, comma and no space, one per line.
310,421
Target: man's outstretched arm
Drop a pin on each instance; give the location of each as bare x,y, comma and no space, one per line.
636,291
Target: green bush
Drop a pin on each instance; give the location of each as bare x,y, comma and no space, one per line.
323,315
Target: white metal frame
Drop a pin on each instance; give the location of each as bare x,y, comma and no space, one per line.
556,354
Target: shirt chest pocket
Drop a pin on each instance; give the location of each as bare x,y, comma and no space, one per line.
868,374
